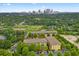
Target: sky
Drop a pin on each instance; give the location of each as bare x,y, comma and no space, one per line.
25,7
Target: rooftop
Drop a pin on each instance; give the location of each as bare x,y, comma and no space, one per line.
2,37
35,41
53,41
50,40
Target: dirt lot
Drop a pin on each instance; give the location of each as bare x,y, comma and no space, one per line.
71,39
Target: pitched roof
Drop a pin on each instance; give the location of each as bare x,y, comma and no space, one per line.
53,41
35,41
50,40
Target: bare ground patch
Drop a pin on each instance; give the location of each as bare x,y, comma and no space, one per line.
71,39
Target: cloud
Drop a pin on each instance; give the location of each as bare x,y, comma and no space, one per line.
6,4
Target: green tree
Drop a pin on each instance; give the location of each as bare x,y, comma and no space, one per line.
4,52
16,54
31,53
35,35
63,44
77,41
32,47
74,53
19,47
59,53
1,43
67,53
25,51
38,47
7,44
42,35
45,47
13,39
68,46
50,54
20,35
30,35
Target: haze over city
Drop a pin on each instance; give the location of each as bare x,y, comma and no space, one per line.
25,7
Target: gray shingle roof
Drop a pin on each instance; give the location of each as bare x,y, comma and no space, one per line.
50,40
35,41
53,41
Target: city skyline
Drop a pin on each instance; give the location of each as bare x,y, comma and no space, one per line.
25,7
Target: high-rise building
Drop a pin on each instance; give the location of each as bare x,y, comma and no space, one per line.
48,11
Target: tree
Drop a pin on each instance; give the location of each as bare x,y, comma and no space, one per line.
10,35
63,44
1,43
42,54
9,32
38,47
16,54
4,52
32,47
25,51
42,35
5,44
67,53
19,47
35,35
74,53
31,53
77,41
68,46
20,35
45,47
30,35
59,53
50,54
